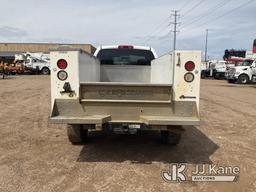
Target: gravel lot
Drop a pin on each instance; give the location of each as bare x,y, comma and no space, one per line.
36,155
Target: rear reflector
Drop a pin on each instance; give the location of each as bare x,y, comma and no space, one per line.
62,64
125,47
62,75
190,66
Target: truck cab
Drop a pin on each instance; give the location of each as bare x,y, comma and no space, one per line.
125,89
244,73
125,63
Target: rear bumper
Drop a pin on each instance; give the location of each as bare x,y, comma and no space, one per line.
146,120
67,111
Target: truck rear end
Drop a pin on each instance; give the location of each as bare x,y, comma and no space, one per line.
125,89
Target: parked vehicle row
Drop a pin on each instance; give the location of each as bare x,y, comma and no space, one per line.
34,62
243,74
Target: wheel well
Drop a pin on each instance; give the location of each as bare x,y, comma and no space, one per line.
41,71
45,67
244,74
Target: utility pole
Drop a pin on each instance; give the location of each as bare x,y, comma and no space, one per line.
175,23
206,46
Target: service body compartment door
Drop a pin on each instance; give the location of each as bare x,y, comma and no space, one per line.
125,92
125,102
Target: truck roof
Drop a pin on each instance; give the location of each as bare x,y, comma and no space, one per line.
117,46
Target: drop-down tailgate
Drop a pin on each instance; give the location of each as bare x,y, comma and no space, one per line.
100,103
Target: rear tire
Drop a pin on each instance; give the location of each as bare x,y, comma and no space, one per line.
170,137
77,134
216,76
45,71
243,79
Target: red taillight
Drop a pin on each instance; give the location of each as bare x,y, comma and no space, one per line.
190,66
125,47
62,64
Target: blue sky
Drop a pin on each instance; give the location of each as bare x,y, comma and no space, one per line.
131,22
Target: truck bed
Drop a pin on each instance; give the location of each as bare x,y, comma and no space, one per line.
156,94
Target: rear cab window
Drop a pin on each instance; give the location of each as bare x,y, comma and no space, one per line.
125,56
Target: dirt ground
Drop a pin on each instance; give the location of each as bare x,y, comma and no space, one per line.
36,155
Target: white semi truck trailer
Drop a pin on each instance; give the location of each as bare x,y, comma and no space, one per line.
125,89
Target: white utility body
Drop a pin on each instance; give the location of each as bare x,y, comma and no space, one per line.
125,89
214,68
243,74
35,62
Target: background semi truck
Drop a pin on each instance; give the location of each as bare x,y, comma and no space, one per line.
125,89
